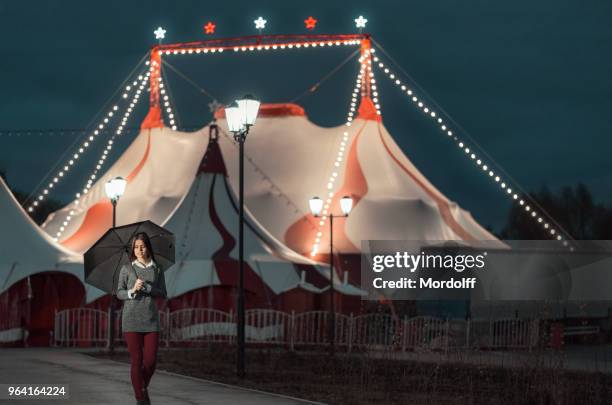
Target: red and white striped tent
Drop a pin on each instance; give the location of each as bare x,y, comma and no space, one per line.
289,159
187,182
180,180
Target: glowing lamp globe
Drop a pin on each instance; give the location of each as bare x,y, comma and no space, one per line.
233,118
115,188
249,107
316,205
346,204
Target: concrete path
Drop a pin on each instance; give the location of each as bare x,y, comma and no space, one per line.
101,381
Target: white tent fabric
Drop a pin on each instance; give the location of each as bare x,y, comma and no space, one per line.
159,165
25,249
181,204
197,241
289,159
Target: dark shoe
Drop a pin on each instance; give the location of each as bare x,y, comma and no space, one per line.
147,399
141,402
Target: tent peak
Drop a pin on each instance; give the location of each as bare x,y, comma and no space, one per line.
367,110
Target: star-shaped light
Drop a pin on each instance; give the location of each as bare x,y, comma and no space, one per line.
209,28
361,22
310,22
260,23
160,33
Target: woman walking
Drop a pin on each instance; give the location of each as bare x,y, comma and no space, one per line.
139,283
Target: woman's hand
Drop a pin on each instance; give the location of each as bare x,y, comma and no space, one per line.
138,286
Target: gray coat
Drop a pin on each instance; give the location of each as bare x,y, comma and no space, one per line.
140,312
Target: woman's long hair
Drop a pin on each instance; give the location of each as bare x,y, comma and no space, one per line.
145,239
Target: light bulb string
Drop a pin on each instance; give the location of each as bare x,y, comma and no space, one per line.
164,84
343,148
70,149
474,144
138,92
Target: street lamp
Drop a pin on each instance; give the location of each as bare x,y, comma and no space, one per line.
316,205
241,116
114,190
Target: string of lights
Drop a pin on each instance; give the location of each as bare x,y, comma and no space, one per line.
82,148
341,152
141,83
373,88
253,48
166,101
471,154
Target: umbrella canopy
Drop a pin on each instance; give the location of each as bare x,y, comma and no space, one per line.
104,259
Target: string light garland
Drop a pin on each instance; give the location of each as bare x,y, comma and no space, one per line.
167,107
471,154
260,47
141,83
74,158
373,87
362,76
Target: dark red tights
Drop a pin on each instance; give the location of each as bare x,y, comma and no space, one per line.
143,354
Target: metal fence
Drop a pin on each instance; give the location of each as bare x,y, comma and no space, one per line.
84,326
198,325
80,326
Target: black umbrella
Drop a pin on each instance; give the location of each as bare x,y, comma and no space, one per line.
105,258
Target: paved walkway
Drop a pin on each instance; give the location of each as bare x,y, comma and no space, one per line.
101,381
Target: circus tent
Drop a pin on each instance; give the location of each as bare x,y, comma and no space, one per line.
170,183
191,197
289,160
292,159
187,182
197,204
35,270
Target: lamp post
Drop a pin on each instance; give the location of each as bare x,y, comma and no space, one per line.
240,117
316,205
114,190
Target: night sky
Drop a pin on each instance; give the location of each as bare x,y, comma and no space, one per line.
531,82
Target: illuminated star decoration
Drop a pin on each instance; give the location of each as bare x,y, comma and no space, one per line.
160,33
209,28
310,22
361,22
260,24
